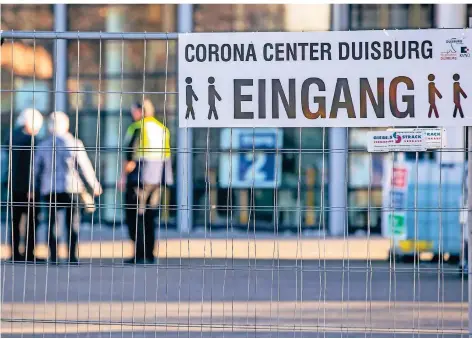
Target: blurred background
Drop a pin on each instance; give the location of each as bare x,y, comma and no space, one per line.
96,66
238,284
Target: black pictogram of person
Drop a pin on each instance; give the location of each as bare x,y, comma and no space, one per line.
432,93
458,91
212,94
189,96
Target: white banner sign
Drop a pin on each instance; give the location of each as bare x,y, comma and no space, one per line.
333,79
395,141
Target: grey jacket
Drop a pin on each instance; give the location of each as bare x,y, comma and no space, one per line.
61,170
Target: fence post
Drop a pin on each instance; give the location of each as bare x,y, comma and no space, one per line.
469,217
337,150
110,123
184,145
310,214
60,56
213,197
469,220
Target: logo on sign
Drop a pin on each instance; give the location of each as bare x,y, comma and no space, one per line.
465,52
454,49
397,138
410,138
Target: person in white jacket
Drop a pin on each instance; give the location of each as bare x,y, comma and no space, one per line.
62,161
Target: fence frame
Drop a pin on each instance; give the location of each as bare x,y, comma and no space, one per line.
184,144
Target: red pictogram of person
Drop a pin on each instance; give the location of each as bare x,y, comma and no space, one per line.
432,93
458,91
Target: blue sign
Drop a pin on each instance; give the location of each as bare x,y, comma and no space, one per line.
398,199
254,162
259,164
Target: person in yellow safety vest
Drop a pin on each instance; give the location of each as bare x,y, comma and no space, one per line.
147,166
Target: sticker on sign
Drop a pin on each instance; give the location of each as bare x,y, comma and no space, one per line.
395,201
399,178
397,223
435,137
395,141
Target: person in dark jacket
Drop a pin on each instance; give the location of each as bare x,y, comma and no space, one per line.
148,166
23,192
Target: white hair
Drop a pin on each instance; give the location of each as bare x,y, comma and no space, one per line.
20,121
58,123
32,119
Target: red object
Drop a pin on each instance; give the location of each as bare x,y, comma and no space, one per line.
399,178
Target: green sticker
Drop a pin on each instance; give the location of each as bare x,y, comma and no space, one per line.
397,224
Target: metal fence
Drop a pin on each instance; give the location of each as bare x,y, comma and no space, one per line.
232,281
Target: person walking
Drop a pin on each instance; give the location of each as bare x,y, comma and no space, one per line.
147,166
62,161
433,92
24,194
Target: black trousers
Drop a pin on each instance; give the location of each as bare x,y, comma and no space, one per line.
57,202
141,208
29,209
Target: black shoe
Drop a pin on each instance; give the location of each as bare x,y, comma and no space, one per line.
73,261
35,260
133,261
17,258
129,261
150,261
140,261
53,261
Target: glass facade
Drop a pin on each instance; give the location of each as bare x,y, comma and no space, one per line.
26,66
134,68
365,168
238,18
97,66
401,16
94,67
25,63
255,207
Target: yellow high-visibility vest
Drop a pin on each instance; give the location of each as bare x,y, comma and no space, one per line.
152,139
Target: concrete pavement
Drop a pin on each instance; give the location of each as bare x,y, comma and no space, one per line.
218,297
104,242
231,284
